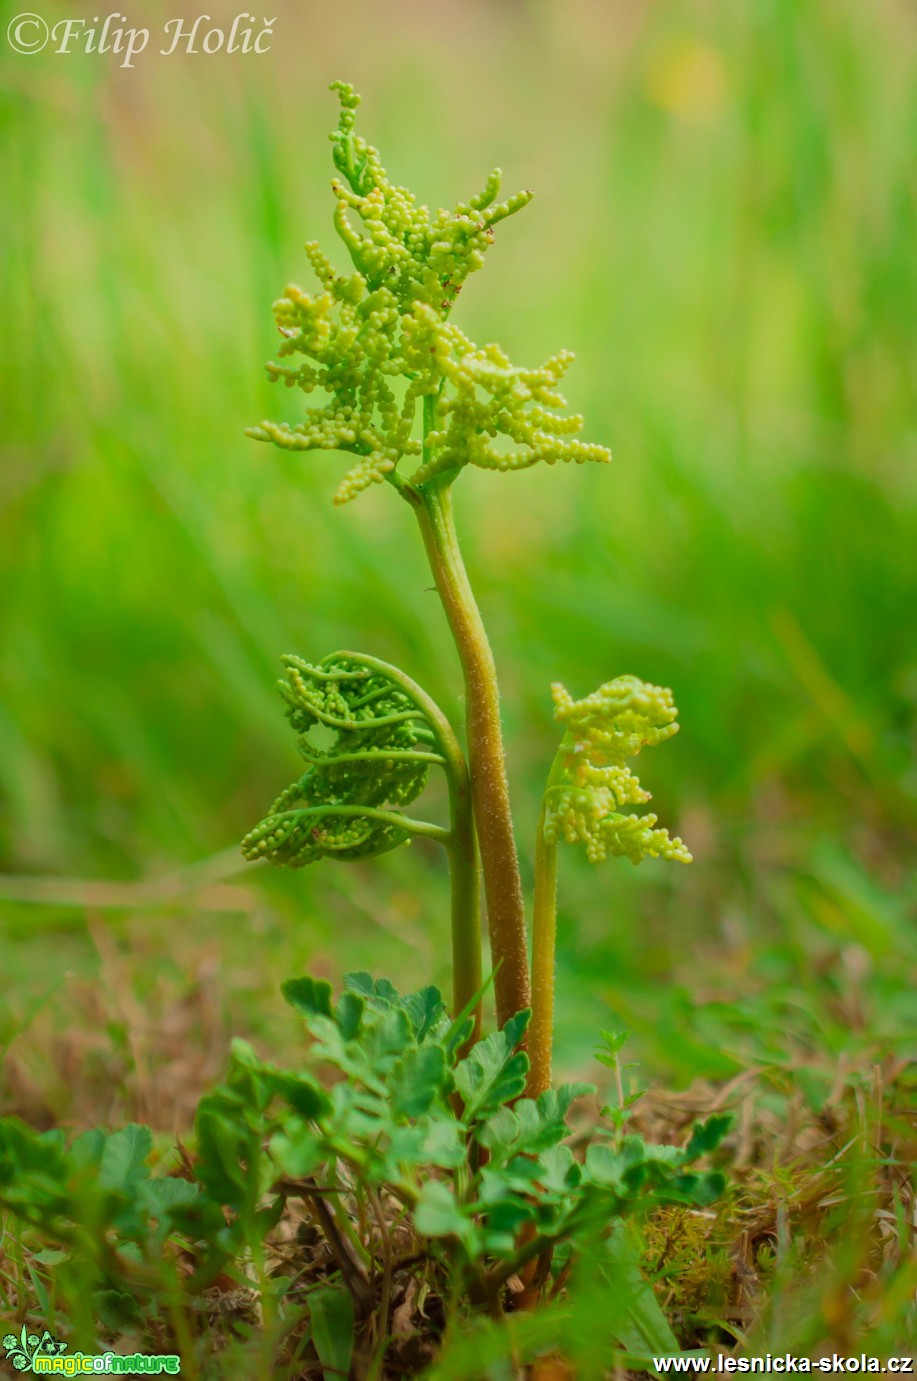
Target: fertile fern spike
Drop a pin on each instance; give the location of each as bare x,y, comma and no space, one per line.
591,779
589,784
383,747
389,320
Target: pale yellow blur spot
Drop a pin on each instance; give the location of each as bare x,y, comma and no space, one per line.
688,78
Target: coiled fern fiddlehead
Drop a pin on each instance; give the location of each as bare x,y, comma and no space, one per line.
386,734
589,786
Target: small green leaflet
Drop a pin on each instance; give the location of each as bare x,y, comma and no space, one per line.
438,1215
311,997
493,1072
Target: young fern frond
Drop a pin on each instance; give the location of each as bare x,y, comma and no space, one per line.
589,783
386,735
381,753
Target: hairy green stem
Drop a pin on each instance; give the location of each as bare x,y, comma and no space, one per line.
432,504
544,943
544,936
461,844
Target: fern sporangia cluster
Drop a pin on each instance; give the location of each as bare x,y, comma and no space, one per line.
589,787
379,342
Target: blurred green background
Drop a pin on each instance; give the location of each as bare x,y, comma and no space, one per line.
723,231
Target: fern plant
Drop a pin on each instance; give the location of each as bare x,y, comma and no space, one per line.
430,1160
411,402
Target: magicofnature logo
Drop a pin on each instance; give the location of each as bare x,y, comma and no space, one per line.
23,1350
44,1356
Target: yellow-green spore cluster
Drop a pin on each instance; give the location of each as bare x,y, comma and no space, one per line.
378,341
591,780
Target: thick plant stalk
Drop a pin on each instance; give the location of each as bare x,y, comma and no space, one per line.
432,504
544,945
